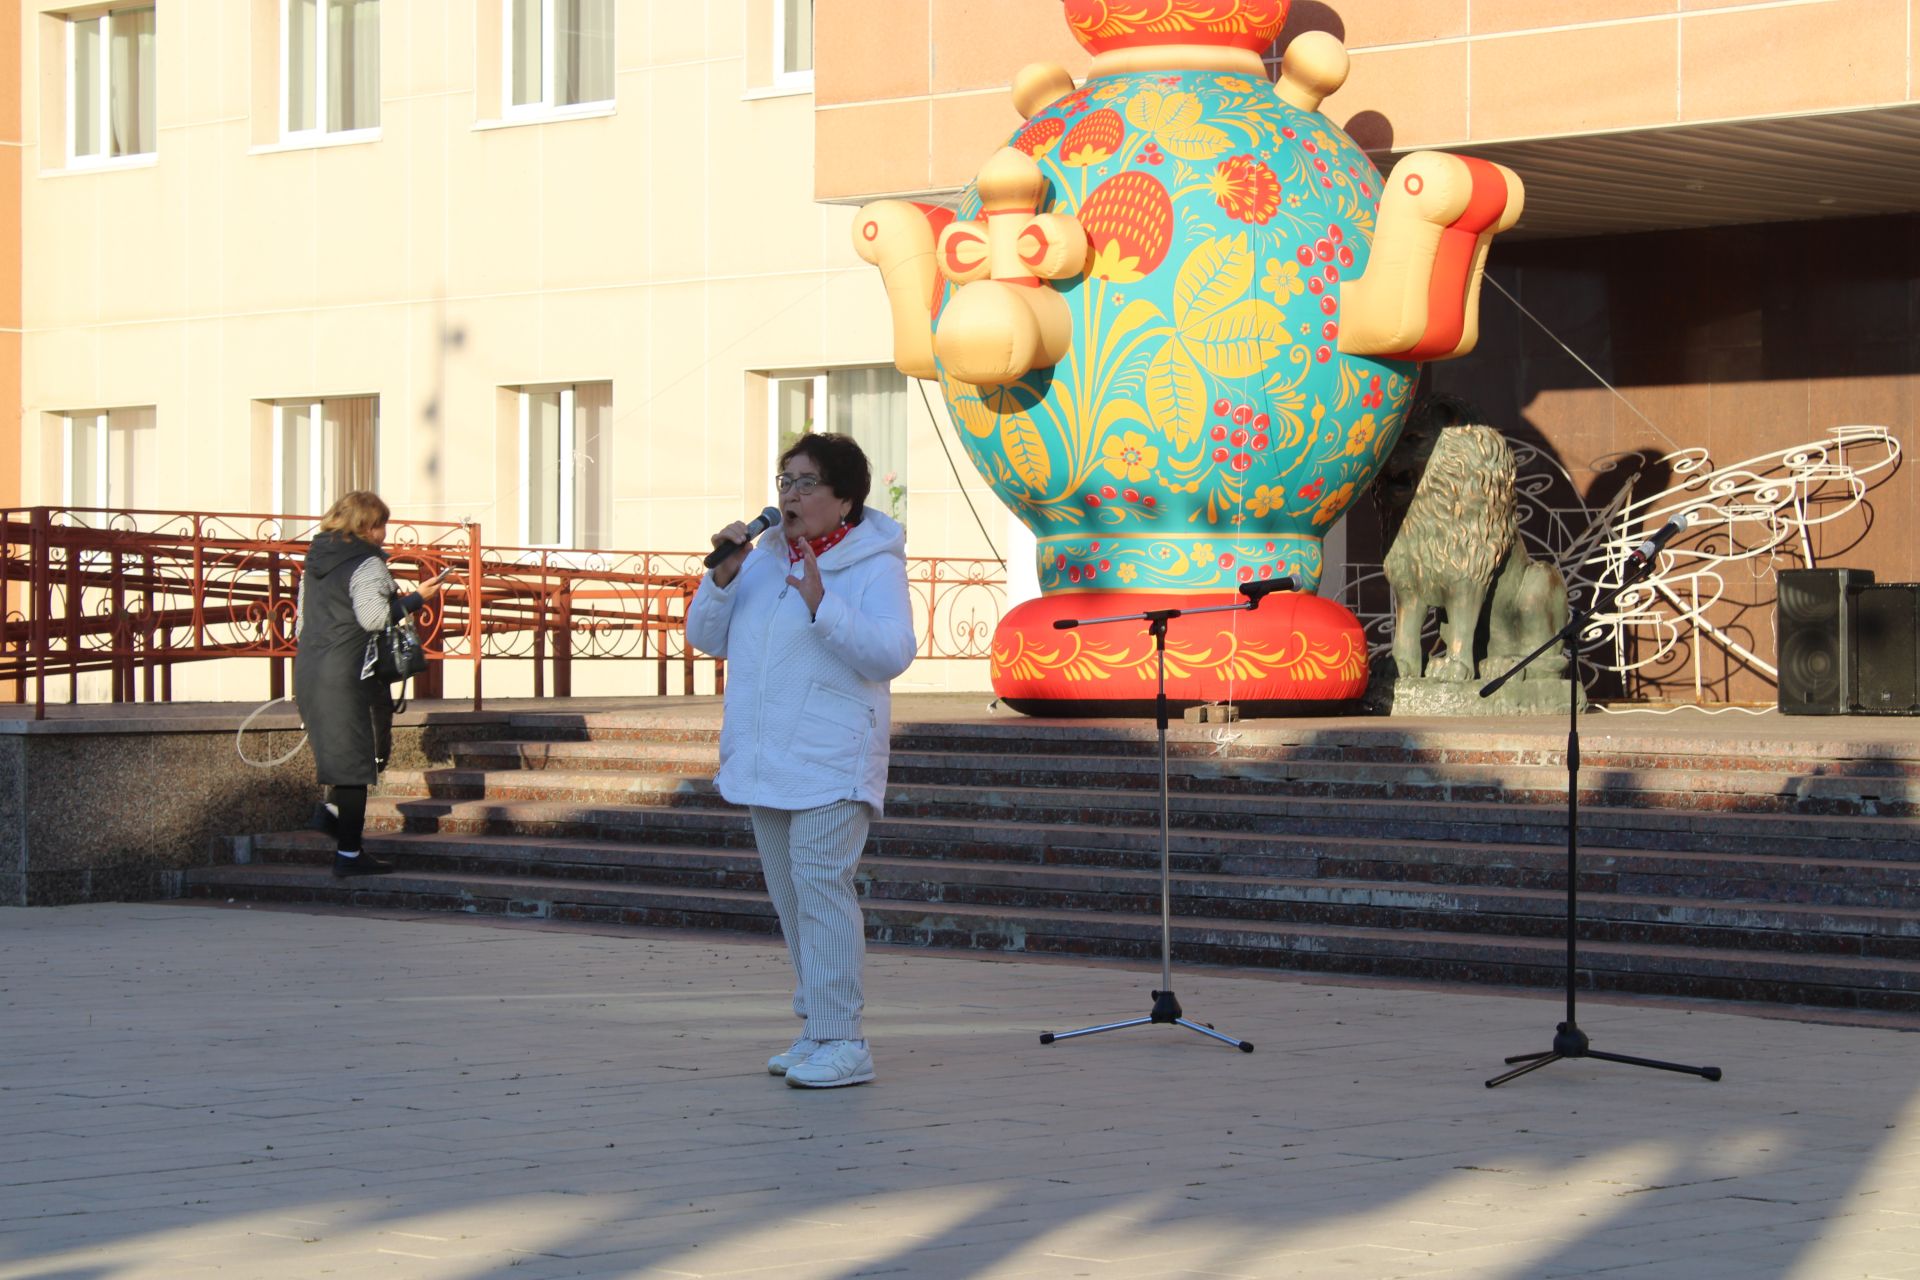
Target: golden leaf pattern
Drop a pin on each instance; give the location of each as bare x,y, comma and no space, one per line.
1174,119
1026,450
1177,394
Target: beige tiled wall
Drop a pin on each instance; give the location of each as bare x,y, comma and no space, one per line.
10,151
1425,72
672,247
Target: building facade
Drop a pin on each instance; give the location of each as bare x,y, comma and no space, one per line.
1719,251
554,266
576,269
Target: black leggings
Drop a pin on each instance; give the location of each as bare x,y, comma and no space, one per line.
352,803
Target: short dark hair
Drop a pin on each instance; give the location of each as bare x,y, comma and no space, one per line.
843,466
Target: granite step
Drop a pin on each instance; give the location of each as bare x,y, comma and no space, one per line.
1606,745
1828,877
1828,787
1830,981
1507,821
1646,918
1718,867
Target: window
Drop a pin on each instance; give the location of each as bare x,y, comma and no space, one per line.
793,44
565,473
322,449
330,60
106,455
868,404
110,86
559,54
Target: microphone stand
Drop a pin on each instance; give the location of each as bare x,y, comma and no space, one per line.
1569,1041
1166,1008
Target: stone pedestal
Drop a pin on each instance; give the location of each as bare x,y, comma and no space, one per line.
1389,695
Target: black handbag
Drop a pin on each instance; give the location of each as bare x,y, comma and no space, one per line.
397,652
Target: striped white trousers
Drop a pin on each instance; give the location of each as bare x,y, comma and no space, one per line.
809,857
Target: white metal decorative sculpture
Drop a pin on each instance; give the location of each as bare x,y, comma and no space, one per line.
1757,513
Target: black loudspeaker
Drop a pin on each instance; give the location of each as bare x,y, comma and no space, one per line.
1886,648
1812,619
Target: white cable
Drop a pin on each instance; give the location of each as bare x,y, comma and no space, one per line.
1583,364
1668,711
239,740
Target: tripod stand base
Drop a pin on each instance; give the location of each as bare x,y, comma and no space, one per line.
1569,1041
1165,1009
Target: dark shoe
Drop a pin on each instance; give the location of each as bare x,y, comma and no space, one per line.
323,819
364,865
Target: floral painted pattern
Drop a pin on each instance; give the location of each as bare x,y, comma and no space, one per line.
1204,429
1245,188
1247,24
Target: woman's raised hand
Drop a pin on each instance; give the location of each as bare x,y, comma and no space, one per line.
431,587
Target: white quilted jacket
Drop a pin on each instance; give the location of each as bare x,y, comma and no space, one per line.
808,708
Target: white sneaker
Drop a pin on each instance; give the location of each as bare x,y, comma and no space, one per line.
798,1052
834,1064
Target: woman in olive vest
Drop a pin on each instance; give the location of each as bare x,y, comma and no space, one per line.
346,597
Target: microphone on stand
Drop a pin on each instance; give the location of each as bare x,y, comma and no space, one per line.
759,525
1644,553
1254,591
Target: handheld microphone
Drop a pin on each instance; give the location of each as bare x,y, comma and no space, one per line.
1644,553
759,525
1255,590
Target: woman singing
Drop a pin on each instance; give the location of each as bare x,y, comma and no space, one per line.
814,623
346,597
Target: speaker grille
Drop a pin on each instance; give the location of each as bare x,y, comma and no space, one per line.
1886,622
1811,618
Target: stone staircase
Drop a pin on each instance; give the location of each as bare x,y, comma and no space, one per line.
1763,870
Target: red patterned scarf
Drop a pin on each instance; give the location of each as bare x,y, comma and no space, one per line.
820,544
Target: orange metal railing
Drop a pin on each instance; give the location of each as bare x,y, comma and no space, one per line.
136,593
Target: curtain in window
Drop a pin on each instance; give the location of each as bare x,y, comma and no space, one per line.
871,406
797,55
543,463
592,465
130,457
524,52
296,460
130,81
348,455
793,411
83,465
86,87
301,44
584,30
353,64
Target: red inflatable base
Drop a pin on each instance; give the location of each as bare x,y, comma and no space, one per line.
1295,653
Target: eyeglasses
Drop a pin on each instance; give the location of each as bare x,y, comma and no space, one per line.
802,485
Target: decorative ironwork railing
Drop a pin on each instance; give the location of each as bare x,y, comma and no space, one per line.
134,594
1759,512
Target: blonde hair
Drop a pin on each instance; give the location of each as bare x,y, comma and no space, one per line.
357,513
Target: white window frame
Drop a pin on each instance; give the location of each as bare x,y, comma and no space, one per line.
321,83
783,78
315,445
819,381
316,500
567,468
97,423
103,109
546,108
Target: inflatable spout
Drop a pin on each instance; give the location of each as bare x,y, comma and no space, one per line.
1420,296
899,237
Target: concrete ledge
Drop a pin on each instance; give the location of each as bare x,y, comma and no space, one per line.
112,810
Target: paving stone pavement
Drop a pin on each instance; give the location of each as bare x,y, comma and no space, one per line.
274,1095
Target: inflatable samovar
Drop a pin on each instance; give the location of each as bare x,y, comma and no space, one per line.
1178,321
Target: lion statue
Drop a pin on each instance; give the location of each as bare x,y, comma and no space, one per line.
1447,509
